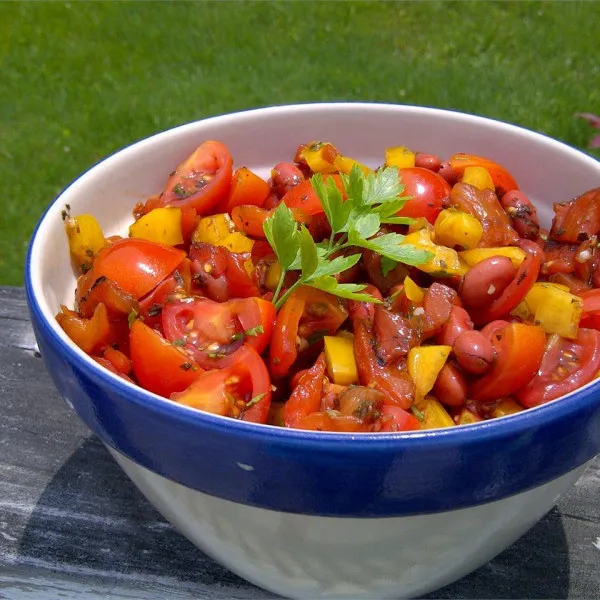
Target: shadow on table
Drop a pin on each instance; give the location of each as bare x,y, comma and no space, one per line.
91,518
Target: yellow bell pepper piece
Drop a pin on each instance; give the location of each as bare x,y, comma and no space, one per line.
236,242
413,292
476,255
424,365
85,237
478,177
457,228
344,164
420,223
553,308
435,416
320,156
273,275
399,156
445,261
341,363
466,417
162,225
213,229
506,407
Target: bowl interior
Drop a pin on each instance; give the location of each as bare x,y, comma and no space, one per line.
546,170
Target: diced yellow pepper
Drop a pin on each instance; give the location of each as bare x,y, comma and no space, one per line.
479,177
341,363
435,416
553,308
85,237
420,223
320,156
466,417
236,242
162,225
506,407
213,229
424,364
457,228
344,164
399,156
445,261
476,255
273,275
413,292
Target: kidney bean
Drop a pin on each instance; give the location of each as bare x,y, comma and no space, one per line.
474,352
284,176
486,281
458,322
362,402
431,162
448,173
450,387
522,214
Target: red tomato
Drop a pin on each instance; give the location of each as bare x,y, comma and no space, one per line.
202,180
285,176
119,361
92,291
525,277
211,331
502,179
249,219
577,220
394,418
137,266
590,317
427,189
91,335
566,366
519,349
157,365
306,395
247,188
241,389
303,197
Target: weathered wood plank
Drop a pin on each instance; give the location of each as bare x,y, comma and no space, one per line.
73,526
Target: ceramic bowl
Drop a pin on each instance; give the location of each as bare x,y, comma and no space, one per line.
312,514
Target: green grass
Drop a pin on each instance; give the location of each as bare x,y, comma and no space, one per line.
79,80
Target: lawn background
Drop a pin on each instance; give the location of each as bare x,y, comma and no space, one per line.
79,80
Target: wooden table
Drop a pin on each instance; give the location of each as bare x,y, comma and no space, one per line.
73,526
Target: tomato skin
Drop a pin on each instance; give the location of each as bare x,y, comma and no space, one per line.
91,335
303,197
566,366
227,391
102,290
246,188
202,180
428,190
306,395
590,317
137,266
502,179
394,418
519,349
157,365
577,220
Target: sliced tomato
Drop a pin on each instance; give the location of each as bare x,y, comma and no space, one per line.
241,390
518,349
306,395
102,290
202,180
566,366
247,188
284,177
501,177
91,335
427,190
303,197
394,418
157,364
577,220
135,265
515,291
188,223
590,317
211,331
118,359
249,219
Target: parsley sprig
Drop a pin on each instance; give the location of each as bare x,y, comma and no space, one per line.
372,200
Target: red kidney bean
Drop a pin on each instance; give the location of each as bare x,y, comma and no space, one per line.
474,352
450,387
284,177
458,322
448,173
522,214
486,281
431,162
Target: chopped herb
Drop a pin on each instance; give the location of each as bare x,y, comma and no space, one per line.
154,310
255,400
186,366
133,315
215,355
178,278
415,411
179,342
180,192
258,330
237,336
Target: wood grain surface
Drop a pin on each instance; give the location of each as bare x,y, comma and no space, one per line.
73,526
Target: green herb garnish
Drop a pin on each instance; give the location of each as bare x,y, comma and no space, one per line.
258,330
255,400
372,200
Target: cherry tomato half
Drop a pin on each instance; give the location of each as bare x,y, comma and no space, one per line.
427,189
502,179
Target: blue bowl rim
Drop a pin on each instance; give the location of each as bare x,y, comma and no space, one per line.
437,439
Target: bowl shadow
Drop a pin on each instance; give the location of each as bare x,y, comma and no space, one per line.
91,518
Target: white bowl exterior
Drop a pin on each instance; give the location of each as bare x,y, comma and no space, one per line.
302,556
